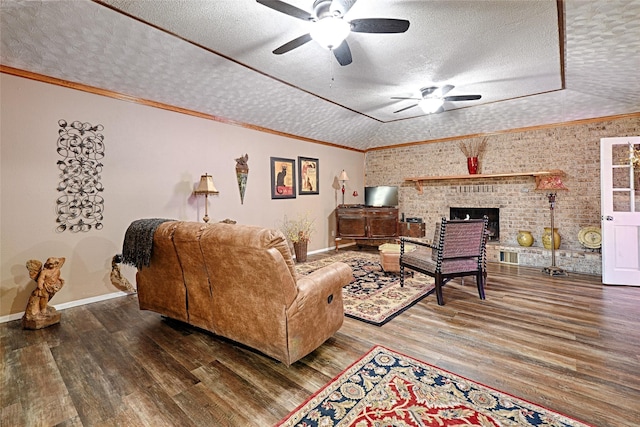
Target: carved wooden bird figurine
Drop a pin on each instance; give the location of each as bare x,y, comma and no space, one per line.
117,279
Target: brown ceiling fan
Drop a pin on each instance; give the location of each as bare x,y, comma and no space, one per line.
433,99
330,29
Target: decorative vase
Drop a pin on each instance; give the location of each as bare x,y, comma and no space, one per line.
472,165
525,238
546,238
300,248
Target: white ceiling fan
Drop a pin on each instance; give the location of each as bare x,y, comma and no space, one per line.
330,29
433,99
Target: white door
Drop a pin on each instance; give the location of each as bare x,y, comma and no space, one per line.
620,204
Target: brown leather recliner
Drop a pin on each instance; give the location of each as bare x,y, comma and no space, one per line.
239,282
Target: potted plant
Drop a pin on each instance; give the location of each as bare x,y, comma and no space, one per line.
298,231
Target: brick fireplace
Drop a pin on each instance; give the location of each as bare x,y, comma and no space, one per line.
477,213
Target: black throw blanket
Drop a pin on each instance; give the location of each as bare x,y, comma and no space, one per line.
138,241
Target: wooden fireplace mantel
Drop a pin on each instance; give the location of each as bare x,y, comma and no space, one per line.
420,179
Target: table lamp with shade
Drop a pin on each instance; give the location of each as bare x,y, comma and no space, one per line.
343,178
206,187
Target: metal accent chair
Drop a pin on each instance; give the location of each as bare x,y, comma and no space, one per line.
458,250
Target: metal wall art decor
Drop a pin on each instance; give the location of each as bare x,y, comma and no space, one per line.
308,173
283,178
242,173
80,207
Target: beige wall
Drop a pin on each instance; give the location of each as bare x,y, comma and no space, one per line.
153,159
574,149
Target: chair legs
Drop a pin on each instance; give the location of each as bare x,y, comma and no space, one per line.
439,282
480,281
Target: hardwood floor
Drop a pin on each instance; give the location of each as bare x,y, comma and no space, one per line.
570,344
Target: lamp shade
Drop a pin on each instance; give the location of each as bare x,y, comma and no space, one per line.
343,176
205,186
550,182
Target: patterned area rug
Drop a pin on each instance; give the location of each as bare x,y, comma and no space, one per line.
386,388
374,296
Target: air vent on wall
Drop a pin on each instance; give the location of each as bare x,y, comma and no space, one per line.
509,257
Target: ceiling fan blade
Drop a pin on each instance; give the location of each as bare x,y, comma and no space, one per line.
446,89
426,91
397,97
297,42
406,108
286,8
379,25
462,98
343,54
342,6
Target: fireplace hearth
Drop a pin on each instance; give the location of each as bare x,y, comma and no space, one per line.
477,213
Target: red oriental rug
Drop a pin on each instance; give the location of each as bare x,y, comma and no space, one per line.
386,388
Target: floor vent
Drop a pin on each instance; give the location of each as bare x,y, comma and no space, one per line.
509,257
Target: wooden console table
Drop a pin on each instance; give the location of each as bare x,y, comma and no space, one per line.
358,222
538,174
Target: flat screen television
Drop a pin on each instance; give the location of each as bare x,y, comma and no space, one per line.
382,195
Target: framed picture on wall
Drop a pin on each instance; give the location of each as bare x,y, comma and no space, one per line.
283,178
308,174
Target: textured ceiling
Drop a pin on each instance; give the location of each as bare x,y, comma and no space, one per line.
215,57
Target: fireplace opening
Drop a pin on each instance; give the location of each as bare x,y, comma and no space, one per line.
477,213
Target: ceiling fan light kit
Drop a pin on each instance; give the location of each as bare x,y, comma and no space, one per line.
431,105
330,32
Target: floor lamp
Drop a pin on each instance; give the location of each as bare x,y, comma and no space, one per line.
206,187
552,184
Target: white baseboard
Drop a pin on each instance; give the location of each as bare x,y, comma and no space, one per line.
64,306
332,248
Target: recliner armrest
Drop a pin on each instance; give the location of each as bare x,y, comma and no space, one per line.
318,310
320,284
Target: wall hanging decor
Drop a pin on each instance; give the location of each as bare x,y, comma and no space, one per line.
308,173
283,178
80,207
242,174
